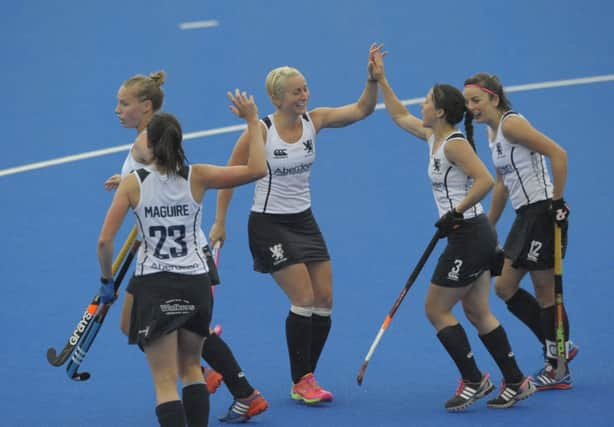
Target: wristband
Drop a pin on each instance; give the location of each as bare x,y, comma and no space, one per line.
105,281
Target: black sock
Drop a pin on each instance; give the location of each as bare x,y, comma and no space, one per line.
320,327
498,346
525,307
456,343
548,316
298,336
170,414
219,356
196,405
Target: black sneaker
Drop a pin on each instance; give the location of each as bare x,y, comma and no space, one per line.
467,393
512,393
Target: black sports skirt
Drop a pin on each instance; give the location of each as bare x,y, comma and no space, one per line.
279,240
164,302
530,242
470,252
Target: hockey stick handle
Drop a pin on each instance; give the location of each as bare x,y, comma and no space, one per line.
410,281
124,249
558,299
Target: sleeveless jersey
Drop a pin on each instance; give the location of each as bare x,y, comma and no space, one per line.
450,184
285,189
131,165
524,172
169,219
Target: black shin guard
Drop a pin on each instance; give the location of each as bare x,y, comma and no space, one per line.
196,405
219,356
171,414
525,307
320,327
498,346
298,336
456,343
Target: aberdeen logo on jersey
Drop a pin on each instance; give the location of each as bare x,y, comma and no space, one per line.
277,252
308,146
280,152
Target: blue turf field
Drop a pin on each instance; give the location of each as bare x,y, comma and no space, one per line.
62,63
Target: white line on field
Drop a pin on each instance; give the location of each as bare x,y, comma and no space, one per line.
236,128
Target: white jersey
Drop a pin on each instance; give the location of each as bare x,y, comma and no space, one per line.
169,219
130,165
450,183
286,188
524,172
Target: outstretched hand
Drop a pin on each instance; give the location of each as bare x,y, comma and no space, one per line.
376,61
112,182
243,106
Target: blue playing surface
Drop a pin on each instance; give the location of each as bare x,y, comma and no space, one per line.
62,63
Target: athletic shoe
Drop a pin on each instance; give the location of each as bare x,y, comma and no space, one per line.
242,410
212,378
512,393
546,379
309,391
467,393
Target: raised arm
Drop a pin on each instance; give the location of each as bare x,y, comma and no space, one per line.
397,111
239,156
336,117
211,176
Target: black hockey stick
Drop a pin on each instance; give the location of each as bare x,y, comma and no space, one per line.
397,303
59,359
87,339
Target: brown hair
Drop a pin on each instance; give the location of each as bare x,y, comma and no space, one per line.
148,87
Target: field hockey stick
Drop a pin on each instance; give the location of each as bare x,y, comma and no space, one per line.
561,354
88,338
215,253
89,313
397,303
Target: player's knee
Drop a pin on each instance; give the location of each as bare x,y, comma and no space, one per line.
324,301
432,313
505,289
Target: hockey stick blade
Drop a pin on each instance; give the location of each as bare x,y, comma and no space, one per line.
410,281
87,339
58,360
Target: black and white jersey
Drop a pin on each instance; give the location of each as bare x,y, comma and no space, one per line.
524,172
130,165
285,189
450,184
169,219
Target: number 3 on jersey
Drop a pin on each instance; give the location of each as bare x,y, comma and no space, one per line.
175,232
